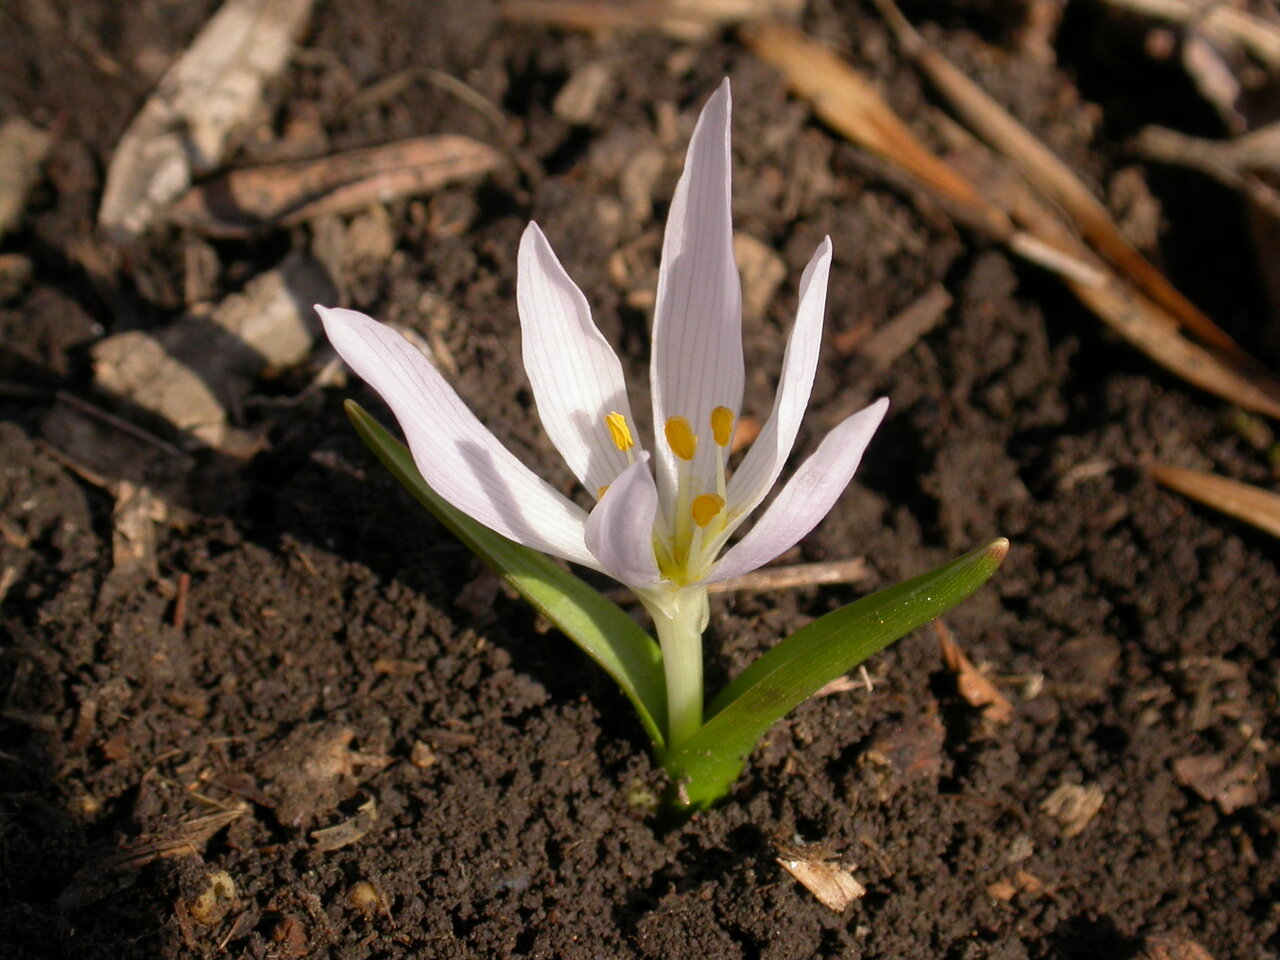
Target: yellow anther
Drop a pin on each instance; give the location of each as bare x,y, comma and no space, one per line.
722,425
681,439
602,491
619,431
705,507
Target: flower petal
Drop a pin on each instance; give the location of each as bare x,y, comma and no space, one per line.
458,456
768,454
577,379
696,362
807,496
620,528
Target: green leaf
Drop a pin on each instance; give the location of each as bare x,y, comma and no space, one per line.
706,765
599,626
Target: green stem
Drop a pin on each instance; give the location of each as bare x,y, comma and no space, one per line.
679,617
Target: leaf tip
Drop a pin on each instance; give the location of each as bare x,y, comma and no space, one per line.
998,549
355,413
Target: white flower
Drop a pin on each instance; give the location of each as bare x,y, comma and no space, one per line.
663,515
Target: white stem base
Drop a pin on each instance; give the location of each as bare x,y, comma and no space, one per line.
679,616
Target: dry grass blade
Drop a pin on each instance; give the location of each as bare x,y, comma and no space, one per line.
683,19
846,101
184,128
799,575
1040,165
1253,505
1127,311
285,194
1151,330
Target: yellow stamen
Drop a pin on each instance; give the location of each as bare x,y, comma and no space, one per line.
681,439
619,431
705,508
722,425
602,491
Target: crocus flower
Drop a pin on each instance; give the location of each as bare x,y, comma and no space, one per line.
664,513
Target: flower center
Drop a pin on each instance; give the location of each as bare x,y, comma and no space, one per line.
686,542
699,515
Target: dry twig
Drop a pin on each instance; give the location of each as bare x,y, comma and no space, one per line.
285,194
184,129
1230,162
1223,23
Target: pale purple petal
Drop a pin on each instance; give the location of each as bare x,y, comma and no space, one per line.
458,457
806,498
620,527
768,454
576,377
696,362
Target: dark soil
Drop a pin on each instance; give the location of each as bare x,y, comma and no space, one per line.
310,642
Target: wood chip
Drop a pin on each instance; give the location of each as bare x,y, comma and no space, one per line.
1073,805
398,668
1231,788
197,371
1002,890
1253,505
243,201
422,756
210,94
313,770
290,938
133,537
895,338
1172,947
23,148
821,873
16,271
8,577
1030,883
348,831
762,273
579,99
975,688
